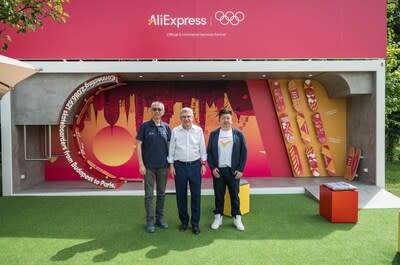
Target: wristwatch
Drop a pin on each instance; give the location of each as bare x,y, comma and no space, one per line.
203,163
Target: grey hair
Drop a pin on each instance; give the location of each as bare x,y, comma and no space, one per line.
186,110
157,103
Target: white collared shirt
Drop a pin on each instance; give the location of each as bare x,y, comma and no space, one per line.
187,145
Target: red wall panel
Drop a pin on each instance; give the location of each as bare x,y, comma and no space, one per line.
126,29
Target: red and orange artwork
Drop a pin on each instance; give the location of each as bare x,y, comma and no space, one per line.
108,125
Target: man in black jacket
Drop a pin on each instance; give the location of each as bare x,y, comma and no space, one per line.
226,156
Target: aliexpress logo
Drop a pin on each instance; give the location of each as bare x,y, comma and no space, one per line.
225,18
168,20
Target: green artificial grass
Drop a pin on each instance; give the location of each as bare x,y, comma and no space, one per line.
393,177
280,229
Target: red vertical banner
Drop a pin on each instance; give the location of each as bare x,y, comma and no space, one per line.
270,132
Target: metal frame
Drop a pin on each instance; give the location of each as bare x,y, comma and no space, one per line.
47,141
6,145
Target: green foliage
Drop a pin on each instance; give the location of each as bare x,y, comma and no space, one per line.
392,78
27,15
393,177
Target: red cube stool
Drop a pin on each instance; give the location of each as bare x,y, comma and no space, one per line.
338,206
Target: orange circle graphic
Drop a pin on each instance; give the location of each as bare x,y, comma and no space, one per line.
113,146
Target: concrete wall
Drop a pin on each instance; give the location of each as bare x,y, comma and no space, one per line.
346,84
46,94
33,170
361,132
359,90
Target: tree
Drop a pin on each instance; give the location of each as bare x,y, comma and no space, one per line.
27,15
392,78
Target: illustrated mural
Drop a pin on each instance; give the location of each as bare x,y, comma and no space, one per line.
100,146
313,127
102,137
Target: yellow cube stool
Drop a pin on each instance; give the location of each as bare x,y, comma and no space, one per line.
244,196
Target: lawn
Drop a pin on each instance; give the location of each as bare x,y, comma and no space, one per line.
280,229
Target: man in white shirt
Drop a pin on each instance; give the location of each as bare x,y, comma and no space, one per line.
226,155
187,156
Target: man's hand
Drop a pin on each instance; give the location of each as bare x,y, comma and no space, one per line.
142,170
238,174
203,170
172,170
215,172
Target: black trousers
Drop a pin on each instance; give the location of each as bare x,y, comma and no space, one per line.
226,179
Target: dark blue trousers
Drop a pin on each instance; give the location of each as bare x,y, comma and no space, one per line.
188,173
226,180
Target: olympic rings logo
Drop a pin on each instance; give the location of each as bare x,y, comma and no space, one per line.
229,17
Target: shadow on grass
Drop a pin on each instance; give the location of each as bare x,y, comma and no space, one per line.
158,244
115,225
396,260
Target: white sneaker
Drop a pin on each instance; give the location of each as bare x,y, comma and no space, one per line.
237,222
217,221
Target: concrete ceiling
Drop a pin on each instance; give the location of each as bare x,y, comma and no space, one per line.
217,76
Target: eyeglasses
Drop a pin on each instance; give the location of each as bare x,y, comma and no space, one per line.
157,109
